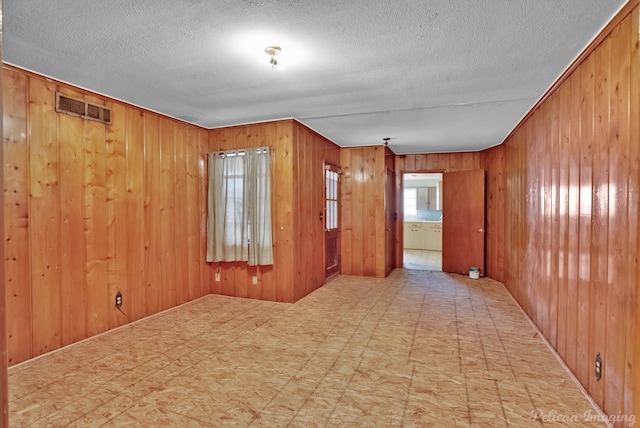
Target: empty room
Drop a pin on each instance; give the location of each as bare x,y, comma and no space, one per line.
298,213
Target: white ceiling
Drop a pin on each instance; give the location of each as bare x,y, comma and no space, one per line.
437,75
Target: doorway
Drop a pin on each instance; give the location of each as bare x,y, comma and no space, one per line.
422,230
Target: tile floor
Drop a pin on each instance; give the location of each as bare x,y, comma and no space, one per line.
423,260
417,349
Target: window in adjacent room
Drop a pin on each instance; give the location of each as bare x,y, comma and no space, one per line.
410,201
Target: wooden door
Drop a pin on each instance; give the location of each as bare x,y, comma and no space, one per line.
390,220
332,221
463,221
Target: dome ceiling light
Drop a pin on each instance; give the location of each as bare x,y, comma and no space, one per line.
273,51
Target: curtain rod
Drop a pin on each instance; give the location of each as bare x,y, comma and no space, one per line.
241,152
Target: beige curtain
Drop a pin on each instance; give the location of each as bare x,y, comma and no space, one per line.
239,207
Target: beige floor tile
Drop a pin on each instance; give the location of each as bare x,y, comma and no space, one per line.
422,260
416,349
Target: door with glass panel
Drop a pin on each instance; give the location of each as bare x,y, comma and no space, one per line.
331,221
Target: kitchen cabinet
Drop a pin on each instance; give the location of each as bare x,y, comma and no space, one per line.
423,236
433,236
427,198
414,236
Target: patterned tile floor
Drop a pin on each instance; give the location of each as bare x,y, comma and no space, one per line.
423,260
417,349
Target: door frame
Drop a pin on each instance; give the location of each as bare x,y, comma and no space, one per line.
400,211
391,215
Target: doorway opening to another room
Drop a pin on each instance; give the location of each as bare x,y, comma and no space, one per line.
422,232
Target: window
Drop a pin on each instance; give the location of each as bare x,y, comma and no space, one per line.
410,201
239,207
331,199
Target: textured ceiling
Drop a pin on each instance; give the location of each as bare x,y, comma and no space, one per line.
438,75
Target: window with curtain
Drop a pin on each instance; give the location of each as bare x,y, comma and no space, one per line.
239,207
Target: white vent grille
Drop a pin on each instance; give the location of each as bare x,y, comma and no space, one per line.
80,108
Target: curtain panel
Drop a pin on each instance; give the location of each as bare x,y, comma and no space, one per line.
239,207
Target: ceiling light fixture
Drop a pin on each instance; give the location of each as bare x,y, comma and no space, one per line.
272,51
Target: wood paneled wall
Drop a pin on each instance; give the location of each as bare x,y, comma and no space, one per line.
572,190
492,161
362,207
298,199
310,152
437,162
4,393
235,278
92,210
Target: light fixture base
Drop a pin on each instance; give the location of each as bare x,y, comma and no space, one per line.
272,51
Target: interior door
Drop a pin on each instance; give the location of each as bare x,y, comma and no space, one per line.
332,221
390,217
463,221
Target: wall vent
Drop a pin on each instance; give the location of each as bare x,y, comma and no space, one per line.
80,108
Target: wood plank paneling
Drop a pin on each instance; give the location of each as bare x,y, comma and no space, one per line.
267,132
370,188
632,364
358,214
308,204
72,239
117,212
196,213
152,212
205,280
89,209
346,208
547,113
492,161
600,215
95,216
573,225
16,216
554,221
181,210
585,209
44,217
618,217
571,209
167,229
4,390
135,221
284,230
562,167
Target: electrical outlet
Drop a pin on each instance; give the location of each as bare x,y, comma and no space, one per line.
217,276
254,280
119,300
598,368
